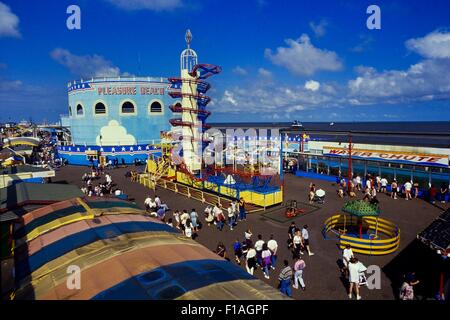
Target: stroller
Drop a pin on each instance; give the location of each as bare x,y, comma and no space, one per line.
319,196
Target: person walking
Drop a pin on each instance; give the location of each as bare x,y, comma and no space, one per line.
237,247
248,237
273,247
209,216
230,214
408,187
285,278
312,192
416,190
383,183
347,255
394,190
407,291
297,244
234,208
305,239
299,266
443,192
432,193
194,220
291,234
266,260
251,260
188,229
242,212
259,247
355,268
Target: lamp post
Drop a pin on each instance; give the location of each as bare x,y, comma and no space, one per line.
349,163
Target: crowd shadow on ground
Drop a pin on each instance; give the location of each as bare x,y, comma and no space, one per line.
427,265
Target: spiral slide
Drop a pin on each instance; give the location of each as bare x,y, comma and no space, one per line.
200,72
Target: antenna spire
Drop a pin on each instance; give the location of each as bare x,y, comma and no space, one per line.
188,38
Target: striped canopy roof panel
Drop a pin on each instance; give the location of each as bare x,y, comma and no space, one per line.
121,254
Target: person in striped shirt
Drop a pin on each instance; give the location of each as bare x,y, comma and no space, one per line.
285,279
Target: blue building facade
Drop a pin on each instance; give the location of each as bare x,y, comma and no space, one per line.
116,118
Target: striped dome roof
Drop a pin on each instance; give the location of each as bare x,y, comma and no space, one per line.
122,254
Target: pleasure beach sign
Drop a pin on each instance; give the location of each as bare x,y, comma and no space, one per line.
393,156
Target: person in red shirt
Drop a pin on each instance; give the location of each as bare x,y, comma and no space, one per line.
432,193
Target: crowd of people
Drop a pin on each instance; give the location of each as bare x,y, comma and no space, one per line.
98,183
372,186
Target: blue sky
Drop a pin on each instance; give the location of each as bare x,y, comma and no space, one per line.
281,60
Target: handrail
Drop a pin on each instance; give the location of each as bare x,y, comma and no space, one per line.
365,246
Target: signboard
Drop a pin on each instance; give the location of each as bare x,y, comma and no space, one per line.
391,156
291,147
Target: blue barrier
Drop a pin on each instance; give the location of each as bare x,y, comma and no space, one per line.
319,176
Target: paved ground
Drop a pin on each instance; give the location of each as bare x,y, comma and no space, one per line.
322,276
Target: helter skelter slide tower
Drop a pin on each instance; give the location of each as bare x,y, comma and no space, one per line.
193,105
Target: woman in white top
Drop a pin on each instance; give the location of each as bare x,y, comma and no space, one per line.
188,229
209,216
251,260
346,256
355,268
297,241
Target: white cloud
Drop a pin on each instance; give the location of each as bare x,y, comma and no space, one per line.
229,97
240,71
264,72
115,134
420,81
9,22
265,97
312,85
295,108
320,28
434,45
363,45
302,58
154,5
425,80
87,65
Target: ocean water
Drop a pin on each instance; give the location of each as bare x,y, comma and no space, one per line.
421,134
400,127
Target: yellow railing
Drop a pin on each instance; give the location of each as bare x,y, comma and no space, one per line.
190,192
381,226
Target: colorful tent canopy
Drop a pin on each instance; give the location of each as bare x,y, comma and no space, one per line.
361,208
24,193
121,254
